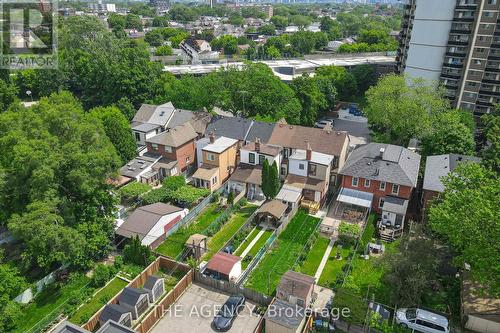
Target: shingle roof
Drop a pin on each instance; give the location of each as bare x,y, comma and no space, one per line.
112,312
296,284
307,183
67,327
260,130
200,122
230,127
266,149
223,263
180,117
246,173
322,141
394,164
131,296
276,208
220,145
114,327
285,314
175,137
145,127
151,281
144,218
439,166
154,114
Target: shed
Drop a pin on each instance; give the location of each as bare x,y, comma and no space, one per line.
135,300
116,313
224,266
155,286
296,288
284,317
67,327
197,243
272,211
114,327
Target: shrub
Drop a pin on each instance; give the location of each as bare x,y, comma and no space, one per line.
215,197
118,263
230,198
243,202
133,190
175,182
136,253
101,275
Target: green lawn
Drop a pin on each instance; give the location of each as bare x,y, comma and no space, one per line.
333,267
48,304
266,276
174,244
256,248
247,241
311,264
83,314
217,241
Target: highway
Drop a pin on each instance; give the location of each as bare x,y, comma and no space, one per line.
286,69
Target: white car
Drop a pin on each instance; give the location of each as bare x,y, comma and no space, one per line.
422,320
323,123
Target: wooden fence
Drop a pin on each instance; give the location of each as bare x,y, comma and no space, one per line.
232,288
160,262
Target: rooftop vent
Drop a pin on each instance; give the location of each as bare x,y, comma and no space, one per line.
382,151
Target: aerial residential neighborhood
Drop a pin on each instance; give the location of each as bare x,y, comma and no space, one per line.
250,166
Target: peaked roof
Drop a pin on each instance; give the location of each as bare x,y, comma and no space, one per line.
230,127
296,284
131,295
67,327
260,130
151,281
383,162
179,117
175,137
298,137
144,218
223,263
154,114
438,166
112,312
114,327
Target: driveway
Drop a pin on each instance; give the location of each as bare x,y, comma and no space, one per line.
195,309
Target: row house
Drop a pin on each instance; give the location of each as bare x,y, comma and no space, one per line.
381,178
216,161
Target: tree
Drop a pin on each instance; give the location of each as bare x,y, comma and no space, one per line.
311,98
102,274
331,27
160,21
133,21
266,183
400,108
8,95
126,107
136,253
230,198
268,30
227,43
448,135
273,52
365,77
154,37
280,22
55,160
303,41
491,131
118,130
468,219
12,285
116,21
274,178
164,50
341,79
414,264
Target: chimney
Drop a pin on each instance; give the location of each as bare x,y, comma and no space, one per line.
308,152
257,144
211,136
382,151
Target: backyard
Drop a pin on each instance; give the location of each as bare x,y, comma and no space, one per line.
98,300
174,244
247,241
217,241
313,259
265,277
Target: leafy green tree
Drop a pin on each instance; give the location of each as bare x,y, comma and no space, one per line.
467,217
448,135
116,21
399,109
12,285
491,131
280,22
142,9
230,198
266,181
274,179
101,276
311,98
154,37
236,19
273,52
55,160
227,43
182,13
164,50
126,107
160,21
136,253
133,21
365,77
8,95
343,81
301,21
303,41
118,130
331,27
268,30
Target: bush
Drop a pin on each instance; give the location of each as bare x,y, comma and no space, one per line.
215,197
133,190
230,198
136,253
118,263
174,183
243,202
101,275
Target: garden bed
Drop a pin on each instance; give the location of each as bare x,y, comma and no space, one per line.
83,314
313,259
266,276
217,241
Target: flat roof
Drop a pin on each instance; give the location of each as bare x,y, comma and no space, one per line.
355,197
220,144
320,158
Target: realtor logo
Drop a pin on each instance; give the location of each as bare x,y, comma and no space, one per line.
28,35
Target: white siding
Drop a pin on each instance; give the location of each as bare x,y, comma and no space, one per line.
200,144
293,167
429,38
235,271
244,157
158,229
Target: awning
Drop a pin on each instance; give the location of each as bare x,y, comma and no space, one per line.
289,194
355,197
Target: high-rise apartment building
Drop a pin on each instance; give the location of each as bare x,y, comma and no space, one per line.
455,43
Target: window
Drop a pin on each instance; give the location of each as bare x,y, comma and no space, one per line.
381,203
382,186
301,166
395,188
355,181
251,158
211,157
214,180
154,146
261,159
168,149
367,183
312,169
137,136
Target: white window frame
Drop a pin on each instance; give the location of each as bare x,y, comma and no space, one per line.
367,183
355,184
392,190
380,187
210,157
249,159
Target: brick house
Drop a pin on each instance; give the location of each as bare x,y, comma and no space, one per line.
177,148
381,178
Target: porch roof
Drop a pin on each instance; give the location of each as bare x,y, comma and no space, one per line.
395,205
205,172
355,197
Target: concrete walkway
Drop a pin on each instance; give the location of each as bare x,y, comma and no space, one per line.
252,243
324,259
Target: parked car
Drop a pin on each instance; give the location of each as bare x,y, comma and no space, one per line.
224,319
323,123
422,320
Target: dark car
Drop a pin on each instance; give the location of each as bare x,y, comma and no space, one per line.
223,320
